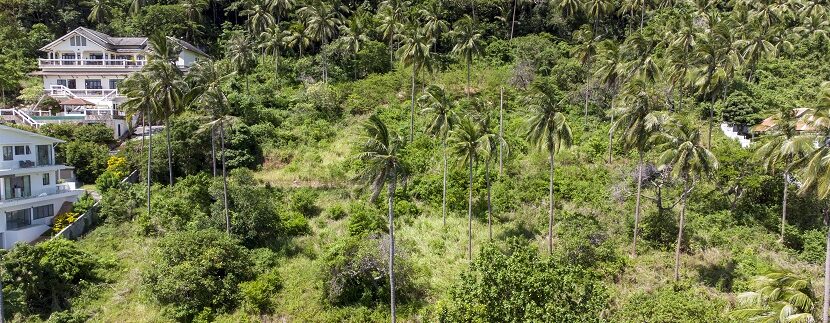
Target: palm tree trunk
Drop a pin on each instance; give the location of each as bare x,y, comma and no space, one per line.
247,85
784,204
489,205
169,149
513,23
149,155
444,192
637,208
611,134
470,215
224,177
642,14
469,62
587,93
412,109
325,64
213,149
680,230
2,318
550,214
826,306
501,128
391,211
276,65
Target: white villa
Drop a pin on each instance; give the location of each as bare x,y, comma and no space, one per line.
30,192
82,70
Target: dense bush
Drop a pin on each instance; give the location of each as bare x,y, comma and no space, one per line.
258,294
197,273
89,159
671,304
365,219
39,279
122,203
540,290
303,200
356,272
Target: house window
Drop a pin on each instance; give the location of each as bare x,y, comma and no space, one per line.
44,155
8,152
114,83
46,179
18,219
93,84
22,150
61,82
77,41
41,212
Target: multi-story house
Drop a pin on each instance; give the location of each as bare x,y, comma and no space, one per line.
82,71
33,188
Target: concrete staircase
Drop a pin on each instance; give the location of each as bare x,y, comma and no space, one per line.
727,130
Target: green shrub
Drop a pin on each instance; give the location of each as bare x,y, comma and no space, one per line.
336,212
83,204
257,295
583,242
106,181
814,245
89,159
671,304
122,203
516,285
365,220
295,224
303,200
195,271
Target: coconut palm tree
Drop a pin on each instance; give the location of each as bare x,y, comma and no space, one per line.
392,14
492,143
259,18
207,78
280,8
630,6
778,296
322,22
353,34
415,53
756,45
596,10
638,124
381,155
468,142
168,86
271,41
439,104
687,159
193,11
610,69
296,37
681,45
468,44
548,127
568,8
138,88
783,145
586,51
242,56
433,25
100,11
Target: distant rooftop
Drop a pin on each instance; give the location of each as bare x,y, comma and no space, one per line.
119,43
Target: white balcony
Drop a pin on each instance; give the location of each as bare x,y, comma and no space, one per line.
109,64
63,91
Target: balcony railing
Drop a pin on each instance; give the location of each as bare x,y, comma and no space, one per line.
60,90
20,193
92,63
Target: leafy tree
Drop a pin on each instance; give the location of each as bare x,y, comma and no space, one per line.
100,11
381,154
197,273
89,159
539,289
548,127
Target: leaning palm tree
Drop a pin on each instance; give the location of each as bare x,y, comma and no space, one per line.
783,145
437,103
415,52
779,296
684,155
138,88
468,44
468,142
168,86
100,10
259,18
381,154
548,127
638,124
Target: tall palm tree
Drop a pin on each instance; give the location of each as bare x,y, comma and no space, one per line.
271,41
259,18
610,69
815,175
193,11
638,124
681,45
548,127
468,43
596,10
433,25
569,8
586,51
168,86
100,11
778,296
207,78
756,45
138,88
381,154
440,105
242,56
630,6
280,8
468,142
415,53
491,147
353,34
392,19
296,37
783,145
685,156
322,22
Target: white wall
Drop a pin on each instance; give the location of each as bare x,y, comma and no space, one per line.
12,138
80,80
38,226
65,46
187,58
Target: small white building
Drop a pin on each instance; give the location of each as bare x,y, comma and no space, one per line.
32,189
88,65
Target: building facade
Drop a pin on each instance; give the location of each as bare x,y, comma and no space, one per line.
88,65
33,188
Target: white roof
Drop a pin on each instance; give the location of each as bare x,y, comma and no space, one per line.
25,133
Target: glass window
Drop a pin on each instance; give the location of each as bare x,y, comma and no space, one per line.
22,150
44,155
18,219
62,82
41,212
114,84
8,152
46,179
93,84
